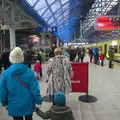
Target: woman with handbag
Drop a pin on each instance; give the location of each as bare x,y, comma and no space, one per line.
59,74
19,89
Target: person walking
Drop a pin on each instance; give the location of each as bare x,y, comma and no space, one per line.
79,54
19,89
82,54
96,55
38,69
111,57
28,58
91,54
5,59
59,111
59,74
102,58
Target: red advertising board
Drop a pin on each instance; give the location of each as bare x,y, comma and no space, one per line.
80,79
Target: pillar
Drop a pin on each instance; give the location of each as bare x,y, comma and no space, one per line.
81,31
12,38
118,7
58,42
42,39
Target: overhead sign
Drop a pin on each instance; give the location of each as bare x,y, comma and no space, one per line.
46,29
107,23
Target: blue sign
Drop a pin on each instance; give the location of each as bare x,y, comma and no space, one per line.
39,29
54,29
46,29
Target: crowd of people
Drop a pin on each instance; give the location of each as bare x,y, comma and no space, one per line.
97,56
20,90
19,87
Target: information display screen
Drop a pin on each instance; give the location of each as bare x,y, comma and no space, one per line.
107,23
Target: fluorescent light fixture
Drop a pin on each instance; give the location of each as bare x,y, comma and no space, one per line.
114,43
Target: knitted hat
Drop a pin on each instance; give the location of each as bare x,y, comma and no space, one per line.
16,56
38,61
60,99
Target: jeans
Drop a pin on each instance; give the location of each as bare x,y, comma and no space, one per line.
102,63
96,59
91,58
110,64
28,117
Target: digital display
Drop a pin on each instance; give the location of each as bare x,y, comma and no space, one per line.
107,23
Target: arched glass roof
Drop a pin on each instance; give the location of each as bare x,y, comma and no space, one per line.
54,12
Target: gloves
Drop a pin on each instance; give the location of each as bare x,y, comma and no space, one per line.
46,81
36,109
6,107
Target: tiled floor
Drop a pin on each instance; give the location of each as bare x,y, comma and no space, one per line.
104,84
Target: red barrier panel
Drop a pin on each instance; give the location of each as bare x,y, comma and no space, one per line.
80,79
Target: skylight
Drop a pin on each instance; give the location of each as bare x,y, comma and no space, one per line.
51,10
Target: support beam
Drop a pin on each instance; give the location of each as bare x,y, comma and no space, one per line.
118,7
5,16
11,13
12,38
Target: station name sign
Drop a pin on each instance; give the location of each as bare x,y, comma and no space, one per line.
46,29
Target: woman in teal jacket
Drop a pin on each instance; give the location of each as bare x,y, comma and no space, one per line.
19,89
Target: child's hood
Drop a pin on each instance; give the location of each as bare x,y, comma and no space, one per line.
60,110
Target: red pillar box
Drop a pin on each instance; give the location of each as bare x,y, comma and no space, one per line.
80,79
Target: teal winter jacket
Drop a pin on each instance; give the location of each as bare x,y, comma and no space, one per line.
20,100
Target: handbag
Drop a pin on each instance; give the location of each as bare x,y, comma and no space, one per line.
21,82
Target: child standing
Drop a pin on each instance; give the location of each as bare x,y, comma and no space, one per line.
38,69
102,58
59,111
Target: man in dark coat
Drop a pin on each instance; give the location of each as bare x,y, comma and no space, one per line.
5,60
28,58
72,55
111,57
39,57
51,54
91,54
96,55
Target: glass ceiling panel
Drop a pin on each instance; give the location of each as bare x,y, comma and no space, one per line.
31,2
66,6
47,14
53,24
64,9
52,11
66,13
55,7
66,18
61,21
41,4
51,20
64,1
50,1
59,18
58,13
40,12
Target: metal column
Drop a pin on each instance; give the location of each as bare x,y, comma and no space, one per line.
81,31
75,37
12,38
118,7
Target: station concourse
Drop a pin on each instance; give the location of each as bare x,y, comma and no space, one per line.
76,26
104,84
